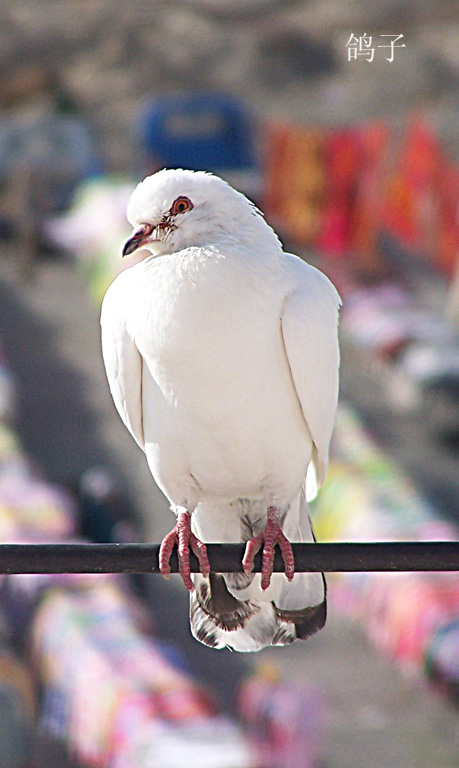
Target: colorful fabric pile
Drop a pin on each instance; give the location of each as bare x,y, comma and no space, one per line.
284,722
112,694
411,616
416,350
384,319
24,503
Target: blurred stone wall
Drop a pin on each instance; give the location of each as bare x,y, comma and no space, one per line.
104,58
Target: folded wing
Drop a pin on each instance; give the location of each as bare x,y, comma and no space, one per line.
123,362
309,329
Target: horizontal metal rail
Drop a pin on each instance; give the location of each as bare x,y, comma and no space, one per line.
227,558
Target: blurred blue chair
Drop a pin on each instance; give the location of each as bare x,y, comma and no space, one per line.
204,131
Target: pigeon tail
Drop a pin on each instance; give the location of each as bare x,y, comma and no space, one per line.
233,611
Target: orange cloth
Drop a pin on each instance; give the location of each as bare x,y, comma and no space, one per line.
422,206
447,253
342,156
295,180
410,208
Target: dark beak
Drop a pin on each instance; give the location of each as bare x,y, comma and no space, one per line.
138,239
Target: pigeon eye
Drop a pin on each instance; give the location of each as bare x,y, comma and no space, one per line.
181,205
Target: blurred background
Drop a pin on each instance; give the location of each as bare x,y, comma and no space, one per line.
339,118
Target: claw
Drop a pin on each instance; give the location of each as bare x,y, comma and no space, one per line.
271,535
182,537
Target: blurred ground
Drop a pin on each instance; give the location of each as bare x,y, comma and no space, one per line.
373,717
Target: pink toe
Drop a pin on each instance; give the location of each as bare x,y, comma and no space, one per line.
165,552
251,549
200,550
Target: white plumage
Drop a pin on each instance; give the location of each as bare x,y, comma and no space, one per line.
222,357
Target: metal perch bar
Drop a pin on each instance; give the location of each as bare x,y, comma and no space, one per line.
227,558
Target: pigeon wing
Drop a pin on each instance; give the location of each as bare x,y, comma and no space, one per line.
123,362
309,329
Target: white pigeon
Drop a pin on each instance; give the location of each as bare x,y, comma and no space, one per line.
222,357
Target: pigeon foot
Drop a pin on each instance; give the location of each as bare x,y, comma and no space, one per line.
271,535
182,537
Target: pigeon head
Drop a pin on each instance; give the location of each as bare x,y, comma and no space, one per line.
177,209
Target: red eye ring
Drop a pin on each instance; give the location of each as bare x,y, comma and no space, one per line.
181,205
